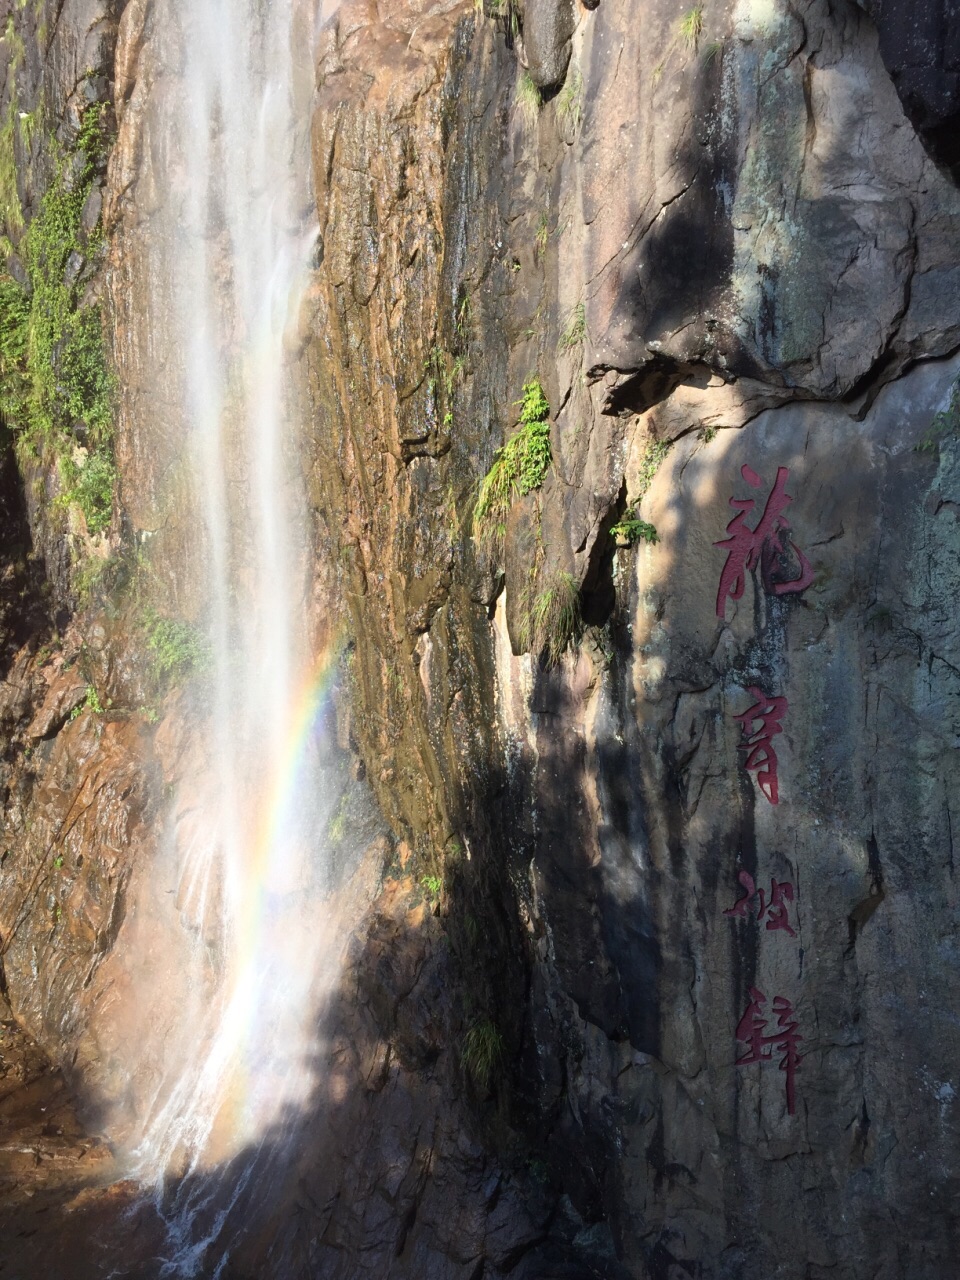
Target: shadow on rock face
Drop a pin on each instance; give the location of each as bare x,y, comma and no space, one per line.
22,615
919,47
388,1171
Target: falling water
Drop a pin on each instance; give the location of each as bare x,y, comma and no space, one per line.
250,870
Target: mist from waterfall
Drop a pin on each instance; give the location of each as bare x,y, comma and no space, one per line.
247,857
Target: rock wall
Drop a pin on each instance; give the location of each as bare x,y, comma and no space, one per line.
74,786
722,983
656,980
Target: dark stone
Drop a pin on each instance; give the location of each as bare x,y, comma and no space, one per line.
547,28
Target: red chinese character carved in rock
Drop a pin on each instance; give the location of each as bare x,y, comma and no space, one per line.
760,1047
766,545
759,725
781,892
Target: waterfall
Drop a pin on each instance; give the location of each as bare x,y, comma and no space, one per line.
247,857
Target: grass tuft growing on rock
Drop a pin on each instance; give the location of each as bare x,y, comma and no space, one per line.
575,330
529,99
503,10
552,622
570,101
712,52
542,235
481,1054
691,25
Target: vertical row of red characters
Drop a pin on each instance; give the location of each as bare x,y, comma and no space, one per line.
766,546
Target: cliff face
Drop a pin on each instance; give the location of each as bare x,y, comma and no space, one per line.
722,821
678,739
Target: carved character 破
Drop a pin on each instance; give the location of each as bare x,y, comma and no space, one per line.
781,892
767,545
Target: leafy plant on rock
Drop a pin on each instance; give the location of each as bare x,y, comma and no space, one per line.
91,702
653,458
432,885
519,466
177,649
631,530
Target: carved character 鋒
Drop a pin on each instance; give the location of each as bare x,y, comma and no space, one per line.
760,1047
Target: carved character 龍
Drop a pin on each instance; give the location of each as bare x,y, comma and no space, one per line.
767,545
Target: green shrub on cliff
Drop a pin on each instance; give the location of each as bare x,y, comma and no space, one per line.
177,649
66,370
518,467
14,333
55,387
11,214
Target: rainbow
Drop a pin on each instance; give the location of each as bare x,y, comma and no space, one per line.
261,933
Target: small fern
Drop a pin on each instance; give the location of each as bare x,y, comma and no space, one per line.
519,466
